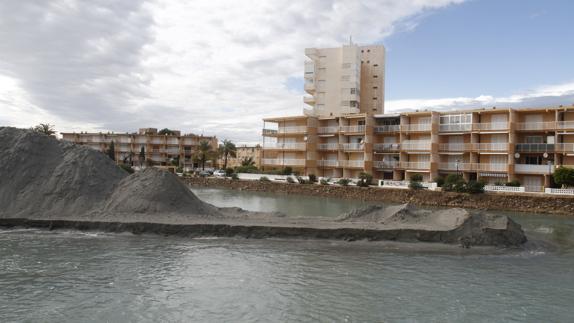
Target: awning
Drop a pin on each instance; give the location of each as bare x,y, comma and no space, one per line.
492,175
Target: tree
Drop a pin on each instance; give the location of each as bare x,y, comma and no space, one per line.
227,149
564,176
166,131
365,179
204,152
45,128
247,162
142,156
112,151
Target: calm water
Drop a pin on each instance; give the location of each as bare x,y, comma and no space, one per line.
67,276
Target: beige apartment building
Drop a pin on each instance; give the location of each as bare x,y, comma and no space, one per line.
242,153
160,149
346,131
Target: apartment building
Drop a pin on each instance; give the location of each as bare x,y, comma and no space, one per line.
242,153
346,131
160,149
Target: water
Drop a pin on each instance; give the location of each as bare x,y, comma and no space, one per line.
67,276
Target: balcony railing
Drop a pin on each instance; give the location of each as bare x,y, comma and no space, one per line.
328,163
269,132
535,148
455,127
536,125
564,148
496,146
415,165
359,128
286,146
387,147
388,128
284,162
416,127
309,87
455,166
331,129
533,169
352,163
352,146
415,145
490,126
295,129
486,167
565,125
381,164
455,147
328,146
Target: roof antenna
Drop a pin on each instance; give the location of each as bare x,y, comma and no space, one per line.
350,40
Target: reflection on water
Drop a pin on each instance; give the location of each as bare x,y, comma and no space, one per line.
61,276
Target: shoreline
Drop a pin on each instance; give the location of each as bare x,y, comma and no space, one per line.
532,203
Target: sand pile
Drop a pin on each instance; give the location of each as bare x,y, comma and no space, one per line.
42,177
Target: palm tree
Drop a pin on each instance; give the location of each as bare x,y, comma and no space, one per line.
247,162
112,151
227,149
204,152
45,128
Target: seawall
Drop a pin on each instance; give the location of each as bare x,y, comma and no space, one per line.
535,203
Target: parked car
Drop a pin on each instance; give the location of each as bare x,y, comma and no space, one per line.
219,173
204,173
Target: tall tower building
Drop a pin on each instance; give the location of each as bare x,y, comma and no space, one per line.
345,80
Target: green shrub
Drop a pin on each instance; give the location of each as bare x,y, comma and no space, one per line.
365,179
127,168
343,182
290,180
439,180
564,176
454,183
415,185
287,170
234,176
228,172
416,177
179,169
513,183
264,179
325,181
475,187
499,183
246,169
312,178
301,180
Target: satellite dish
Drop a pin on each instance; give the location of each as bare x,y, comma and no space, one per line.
517,155
545,155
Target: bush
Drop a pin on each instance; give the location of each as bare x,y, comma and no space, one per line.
127,168
343,182
325,181
287,170
264,179
415,185
475,187
312,178
228,172
564,176
234,176
439,180
246,169
499,183
454,183
365,179
513,183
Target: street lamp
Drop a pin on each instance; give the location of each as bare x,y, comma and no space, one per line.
457,162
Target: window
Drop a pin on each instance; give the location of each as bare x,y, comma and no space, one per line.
374,98
361,122
375,87
345,78
368,50
534,139
375,76
375,65
368,62
353,91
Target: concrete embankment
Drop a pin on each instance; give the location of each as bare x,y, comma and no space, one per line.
497,201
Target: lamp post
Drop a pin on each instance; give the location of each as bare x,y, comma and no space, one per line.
456,163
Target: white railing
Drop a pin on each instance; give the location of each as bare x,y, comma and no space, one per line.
499,146
352,146
190,141
284,162
388,128
360,128
564,148
535,148
387,147
156,141
533,169
172,141
124,140
328,146
534,189
331,129
328,163
416,127
485,167
386,163
565,125
309,87
455,166
415,145
536,125
454,147
415,165
559,191
352,163
455,127
489,126
286,146
405,184
295,129
495,188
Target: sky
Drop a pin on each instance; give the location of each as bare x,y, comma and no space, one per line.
219,67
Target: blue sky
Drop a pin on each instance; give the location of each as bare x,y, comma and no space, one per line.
490,47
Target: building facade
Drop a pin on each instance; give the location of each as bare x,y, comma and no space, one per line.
159,149
242,153
340,141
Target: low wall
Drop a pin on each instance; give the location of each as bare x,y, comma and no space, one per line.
502,201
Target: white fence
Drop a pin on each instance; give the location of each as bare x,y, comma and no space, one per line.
495,188
405,184
559,191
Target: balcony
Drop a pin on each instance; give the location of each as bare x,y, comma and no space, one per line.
497,146
385,164
172,151
283,162
328,130
455,127
564,148
352,163
269,132
286,146
416,127
415,165
352,147
565,125
387,128
485,167
535,148
535,126
309,87
328,163
413,145
292,130
156,141
455,166
533,169
455,147
172,141
353,129
491,126
387,147
310,100
328,146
